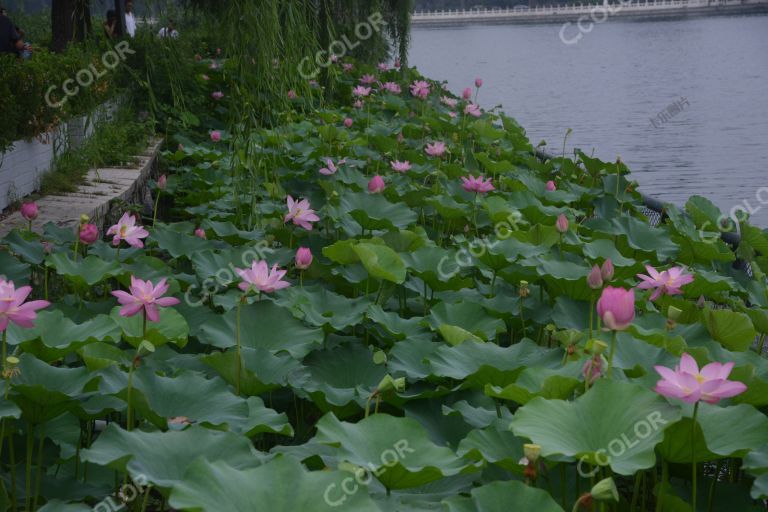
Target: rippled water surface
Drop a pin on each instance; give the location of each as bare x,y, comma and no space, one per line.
619,76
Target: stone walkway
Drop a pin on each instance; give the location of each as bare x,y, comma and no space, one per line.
93,198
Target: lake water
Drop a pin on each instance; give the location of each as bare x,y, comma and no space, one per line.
617,78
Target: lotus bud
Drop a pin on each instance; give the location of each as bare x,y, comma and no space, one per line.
596,347
605,490
551,187
89,233
376,185
562,223
607,270
162,182
595,278
524,290
84,219
30,211
303,258
701,302
532,452
467,93
478,82
592,369
348,122
616,308
200,233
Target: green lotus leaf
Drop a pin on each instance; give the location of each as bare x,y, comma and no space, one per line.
734,330
13,270
381,262
396,450
263,325
469,316
87,271
616,424
162,458
372,211
543,382
502,497
177,243
281,485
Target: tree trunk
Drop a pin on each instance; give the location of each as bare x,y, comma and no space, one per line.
120,26
62,24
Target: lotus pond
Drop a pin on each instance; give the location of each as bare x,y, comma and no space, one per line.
386,302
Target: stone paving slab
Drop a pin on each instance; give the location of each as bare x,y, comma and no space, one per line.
93,197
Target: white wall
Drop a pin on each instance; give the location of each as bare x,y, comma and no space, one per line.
22,167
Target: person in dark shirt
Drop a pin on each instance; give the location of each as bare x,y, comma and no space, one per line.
10,39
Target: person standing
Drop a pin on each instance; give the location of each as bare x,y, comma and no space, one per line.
10,39
168,30
130,19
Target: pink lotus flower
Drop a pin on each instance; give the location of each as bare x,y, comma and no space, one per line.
213,65
303,258
595,278
473,110
361,92
348,122
358,104
347,67
450,102
30,211
562,223
391,87
690,385
467,94
330,169
478,185
420,89
162,182
669,282
616,308
397,63
436,149
399,166
144,296
89,233
367,79
551,187
292,95
205,77
334,58
200,233
215,135
260,277
452,114
478,82
383,67
126,229
376,185
606,270
12,306
301,213
217,95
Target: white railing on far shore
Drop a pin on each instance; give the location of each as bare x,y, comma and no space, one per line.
636,5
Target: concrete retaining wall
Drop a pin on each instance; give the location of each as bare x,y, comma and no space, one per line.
23,166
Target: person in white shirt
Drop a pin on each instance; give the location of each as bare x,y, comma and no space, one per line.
130,19
168,31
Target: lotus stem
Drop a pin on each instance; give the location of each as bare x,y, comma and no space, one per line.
610,354
6,374
77,242
146,498
712,485
239,358
28,476
635,491
39,477
693,456
154,212
129,412
591,313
